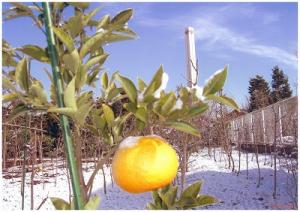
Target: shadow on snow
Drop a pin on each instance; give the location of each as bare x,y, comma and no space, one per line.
233,191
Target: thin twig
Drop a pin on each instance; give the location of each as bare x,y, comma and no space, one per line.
43,202
99,166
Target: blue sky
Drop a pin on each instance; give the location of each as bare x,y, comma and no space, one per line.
250,37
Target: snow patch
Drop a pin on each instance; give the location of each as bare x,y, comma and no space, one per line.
101,30
165,79
141,95
178,105
129,142
199,92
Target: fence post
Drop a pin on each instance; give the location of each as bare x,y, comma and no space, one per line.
252,129
280,123
263,125
233,131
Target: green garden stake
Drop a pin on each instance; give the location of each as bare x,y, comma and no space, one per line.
24,160
63,119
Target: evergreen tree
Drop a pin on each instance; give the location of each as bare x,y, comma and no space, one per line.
280,85
260,95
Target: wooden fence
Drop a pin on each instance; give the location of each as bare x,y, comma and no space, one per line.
275,124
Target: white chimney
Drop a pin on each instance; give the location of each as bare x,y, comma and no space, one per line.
191,57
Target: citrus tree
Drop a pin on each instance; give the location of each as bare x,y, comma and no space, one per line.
79,42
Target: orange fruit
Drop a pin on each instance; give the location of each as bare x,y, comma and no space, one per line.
144,163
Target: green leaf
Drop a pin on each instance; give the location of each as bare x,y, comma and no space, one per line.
130,107
22,7
99,121
128,32
53,93
224,100
151,206
122,17
93,203
8,60
169,197
103,22
69,95
63,110
83,112
75,25
92,23
48,74
72,61
84,98
93,41
113,93
115,37
19,10
156,198
65,38
140,125
196,110
72,204
58,5
17,111
141,85
169,103
91,78
96,50
186,202
184,127
6,83
108,114
38,91
184,94
154,84
11,16
117,130
104,80
22,76
9,97
36,52
111,86
141,114
216,83
165,189
60,204
128,87
81,78
192,190
88,17
108,138
203,200
99,60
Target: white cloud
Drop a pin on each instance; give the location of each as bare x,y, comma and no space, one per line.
212,26
220,35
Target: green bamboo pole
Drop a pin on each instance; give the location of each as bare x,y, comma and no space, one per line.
63,119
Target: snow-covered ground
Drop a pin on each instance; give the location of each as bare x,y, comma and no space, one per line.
233,191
